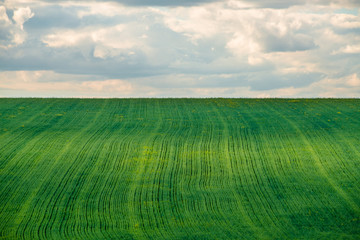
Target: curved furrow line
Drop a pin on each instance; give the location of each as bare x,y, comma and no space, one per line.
11,181
162,183
220,138
241,162
256,192
171,222
23,227
238,151
339,111
207,167
104,203
57,197
96,192
33,199
80,180
114,200
151,199
137,195
197,133
206,214
331,138
127,170
176,131
270,190
247,168
348,169
335,164
158,180
332,127
331,175
205,183
303,176
28,176
310,136
285,189
231,158
306,190
14,193
337,144
95,176
233,131
44,191
172,193
180,195
172,135
116,194
263,199
19,135
220,176
58,187
29,134
21,142
197,211
321,165
95,181
274,172
121,182
107,216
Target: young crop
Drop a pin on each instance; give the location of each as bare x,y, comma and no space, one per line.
179,169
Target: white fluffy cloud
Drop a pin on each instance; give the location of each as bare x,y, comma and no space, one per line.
21,15
12,31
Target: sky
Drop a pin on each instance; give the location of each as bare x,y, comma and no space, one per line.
180,48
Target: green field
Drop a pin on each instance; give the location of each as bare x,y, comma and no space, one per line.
179,168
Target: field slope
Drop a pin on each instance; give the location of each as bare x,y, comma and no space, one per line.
179,169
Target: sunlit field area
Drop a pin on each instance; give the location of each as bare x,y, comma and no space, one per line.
179,168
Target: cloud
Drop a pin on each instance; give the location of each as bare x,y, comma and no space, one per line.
51,17
21,15
288,43
346,21
329,87
131,2
163,2
351,49
278,4
254,26
12,33
49,83
158,48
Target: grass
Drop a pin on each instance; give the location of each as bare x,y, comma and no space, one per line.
179,169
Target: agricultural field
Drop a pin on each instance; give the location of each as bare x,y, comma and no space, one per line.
179,168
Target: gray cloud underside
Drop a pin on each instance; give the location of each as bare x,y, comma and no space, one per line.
72,61
48,17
